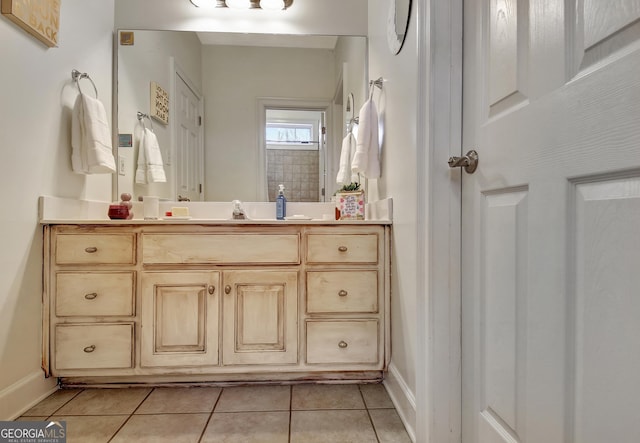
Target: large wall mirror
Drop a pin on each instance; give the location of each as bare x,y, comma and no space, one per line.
224,91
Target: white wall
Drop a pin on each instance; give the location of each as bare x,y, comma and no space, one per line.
36,96
351,64
397,104
149,59
234,77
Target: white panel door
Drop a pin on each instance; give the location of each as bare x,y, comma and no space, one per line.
189,143
551,222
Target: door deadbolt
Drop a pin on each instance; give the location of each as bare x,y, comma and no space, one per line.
469,162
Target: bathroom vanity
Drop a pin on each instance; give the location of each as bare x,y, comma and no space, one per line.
216,301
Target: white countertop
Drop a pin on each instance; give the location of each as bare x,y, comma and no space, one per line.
56,210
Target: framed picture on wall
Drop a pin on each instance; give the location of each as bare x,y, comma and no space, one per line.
40,18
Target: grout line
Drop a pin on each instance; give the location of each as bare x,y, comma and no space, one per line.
204,430
65,403
131,414
375,432
206,425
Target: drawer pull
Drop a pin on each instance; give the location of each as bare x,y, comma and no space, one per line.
342,248
227,289
90,349
91,296
343,344
90,249
212,289
342,293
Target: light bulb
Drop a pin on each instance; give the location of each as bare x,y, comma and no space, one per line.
203,3
239,4
272,4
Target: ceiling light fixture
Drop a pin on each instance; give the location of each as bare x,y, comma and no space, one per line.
243,4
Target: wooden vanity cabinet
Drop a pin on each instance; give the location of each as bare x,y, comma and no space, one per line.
90,298
152,302
346,298
179,318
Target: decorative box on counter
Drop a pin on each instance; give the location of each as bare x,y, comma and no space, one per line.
350,204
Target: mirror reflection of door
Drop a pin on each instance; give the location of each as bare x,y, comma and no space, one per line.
295,154
189,150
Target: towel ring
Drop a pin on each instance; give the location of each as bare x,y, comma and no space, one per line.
141,116
77,76
377,82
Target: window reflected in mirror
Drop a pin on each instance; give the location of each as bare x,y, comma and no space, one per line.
294,147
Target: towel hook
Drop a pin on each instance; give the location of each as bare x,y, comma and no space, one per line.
142,116
77,76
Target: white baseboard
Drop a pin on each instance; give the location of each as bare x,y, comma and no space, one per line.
24,394
403,399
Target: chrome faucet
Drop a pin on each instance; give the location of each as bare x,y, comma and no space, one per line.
183,199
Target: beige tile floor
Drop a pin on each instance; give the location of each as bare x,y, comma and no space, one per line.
246,414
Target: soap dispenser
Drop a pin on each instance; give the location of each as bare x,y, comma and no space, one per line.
281,204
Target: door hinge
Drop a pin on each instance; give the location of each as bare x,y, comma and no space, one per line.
200,188
324,130
199,120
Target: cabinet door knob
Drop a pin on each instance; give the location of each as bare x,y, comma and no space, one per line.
90,349
227,289
342,248
91,296
343,344
212,289
342,293
90,249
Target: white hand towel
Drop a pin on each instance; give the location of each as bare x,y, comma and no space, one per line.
366,160
78,151
91,138
150,166
345,176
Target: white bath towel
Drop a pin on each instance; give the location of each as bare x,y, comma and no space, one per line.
150,165
345,175
91,151
366,160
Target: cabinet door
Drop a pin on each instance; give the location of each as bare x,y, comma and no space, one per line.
260,322
179,324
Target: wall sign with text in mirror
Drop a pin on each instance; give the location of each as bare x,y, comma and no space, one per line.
159,103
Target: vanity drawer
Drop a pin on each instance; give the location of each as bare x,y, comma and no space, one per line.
342,248
84,249
94,293
342,291
103,346
349,341
220,248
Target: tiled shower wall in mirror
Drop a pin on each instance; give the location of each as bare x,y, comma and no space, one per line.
297,170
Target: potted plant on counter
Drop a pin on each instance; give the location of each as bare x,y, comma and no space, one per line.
350,202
